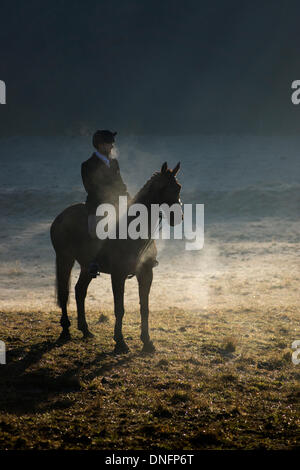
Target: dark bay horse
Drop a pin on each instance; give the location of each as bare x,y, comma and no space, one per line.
117,257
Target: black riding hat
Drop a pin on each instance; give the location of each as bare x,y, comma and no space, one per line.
103,137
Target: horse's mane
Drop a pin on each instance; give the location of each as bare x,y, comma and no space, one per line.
143,191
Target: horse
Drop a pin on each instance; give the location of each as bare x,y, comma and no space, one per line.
121,258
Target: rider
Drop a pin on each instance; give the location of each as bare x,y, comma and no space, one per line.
101,177
102,181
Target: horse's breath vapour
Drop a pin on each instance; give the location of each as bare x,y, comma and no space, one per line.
140,219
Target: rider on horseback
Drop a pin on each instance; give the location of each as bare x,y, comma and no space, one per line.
101,177
103,182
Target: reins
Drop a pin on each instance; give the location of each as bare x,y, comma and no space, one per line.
147,244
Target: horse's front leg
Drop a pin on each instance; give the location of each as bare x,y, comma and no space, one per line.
118,284
80,294
144,278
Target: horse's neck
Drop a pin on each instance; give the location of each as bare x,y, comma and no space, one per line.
148,198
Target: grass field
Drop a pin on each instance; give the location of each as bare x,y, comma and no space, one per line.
220,379
222,319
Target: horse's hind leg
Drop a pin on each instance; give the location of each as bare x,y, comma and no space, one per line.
80,293
144,278
64,267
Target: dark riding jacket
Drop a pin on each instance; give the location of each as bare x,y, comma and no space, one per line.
103,184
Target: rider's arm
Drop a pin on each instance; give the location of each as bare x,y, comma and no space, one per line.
120,186
89,179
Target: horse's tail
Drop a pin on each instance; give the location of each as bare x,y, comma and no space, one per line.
64,267
64,261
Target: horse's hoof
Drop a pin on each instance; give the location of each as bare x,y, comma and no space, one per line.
121,348
149,347
64,337
87,334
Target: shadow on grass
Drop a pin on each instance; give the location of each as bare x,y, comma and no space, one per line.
39,390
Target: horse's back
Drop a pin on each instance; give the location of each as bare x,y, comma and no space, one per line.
70,236
70,224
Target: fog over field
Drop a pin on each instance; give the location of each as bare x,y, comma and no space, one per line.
250,190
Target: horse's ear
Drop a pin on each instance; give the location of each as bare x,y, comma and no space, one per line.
164,167
176,169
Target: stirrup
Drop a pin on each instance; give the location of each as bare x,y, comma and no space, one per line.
94,269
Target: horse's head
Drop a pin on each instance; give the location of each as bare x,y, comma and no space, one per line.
163,189
169,191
